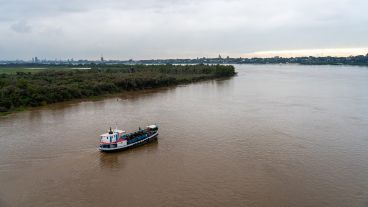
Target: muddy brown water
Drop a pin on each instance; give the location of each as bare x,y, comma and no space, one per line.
272,136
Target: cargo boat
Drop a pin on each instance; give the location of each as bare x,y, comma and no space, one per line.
118,139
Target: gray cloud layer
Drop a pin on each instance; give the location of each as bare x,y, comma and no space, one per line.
176,28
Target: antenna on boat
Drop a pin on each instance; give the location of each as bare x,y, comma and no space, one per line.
116,125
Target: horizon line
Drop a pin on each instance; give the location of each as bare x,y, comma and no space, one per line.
296,53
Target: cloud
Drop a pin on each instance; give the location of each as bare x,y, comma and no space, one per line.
21,27
338,52
177,28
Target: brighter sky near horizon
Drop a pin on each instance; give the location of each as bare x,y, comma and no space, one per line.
145,29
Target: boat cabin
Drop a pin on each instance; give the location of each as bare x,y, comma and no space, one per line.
152,127
111,136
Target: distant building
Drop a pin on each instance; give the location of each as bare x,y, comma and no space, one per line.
102,59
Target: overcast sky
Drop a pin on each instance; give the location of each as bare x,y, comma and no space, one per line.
145,29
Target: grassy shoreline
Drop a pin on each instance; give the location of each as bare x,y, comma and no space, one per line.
22,90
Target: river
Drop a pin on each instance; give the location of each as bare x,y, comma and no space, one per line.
274,135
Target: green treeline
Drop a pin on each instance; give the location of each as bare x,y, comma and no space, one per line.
25,89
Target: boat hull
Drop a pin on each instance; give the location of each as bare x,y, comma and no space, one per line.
118,148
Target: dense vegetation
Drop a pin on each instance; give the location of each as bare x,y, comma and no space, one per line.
352,60
24,89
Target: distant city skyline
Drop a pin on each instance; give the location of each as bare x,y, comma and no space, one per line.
161,29
336,52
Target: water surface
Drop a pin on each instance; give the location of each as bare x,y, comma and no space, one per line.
275,135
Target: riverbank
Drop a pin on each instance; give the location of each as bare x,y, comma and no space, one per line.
22,90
